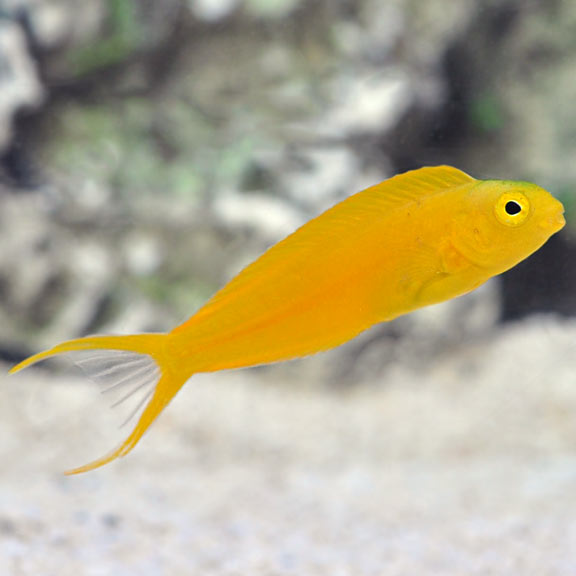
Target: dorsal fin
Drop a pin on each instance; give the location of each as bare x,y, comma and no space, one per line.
416,184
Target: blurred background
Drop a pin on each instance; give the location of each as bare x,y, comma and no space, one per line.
148,151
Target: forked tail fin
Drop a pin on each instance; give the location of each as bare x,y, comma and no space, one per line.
137,363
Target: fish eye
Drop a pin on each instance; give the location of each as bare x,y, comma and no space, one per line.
512,208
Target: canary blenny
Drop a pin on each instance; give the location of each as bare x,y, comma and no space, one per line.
416,239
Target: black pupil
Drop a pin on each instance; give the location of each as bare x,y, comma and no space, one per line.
513,208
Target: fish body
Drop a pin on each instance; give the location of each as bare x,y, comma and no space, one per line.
411,241
370,259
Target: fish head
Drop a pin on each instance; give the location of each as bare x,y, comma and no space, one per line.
503,222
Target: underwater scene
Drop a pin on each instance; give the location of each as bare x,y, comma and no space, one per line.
308,272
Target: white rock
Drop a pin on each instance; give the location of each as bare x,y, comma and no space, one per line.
143,254
271,217
370,104
212,10
331,175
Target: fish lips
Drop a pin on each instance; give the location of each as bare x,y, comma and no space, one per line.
554,221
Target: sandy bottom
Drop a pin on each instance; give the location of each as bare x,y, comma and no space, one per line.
467,469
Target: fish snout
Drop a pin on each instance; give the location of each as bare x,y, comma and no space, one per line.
557,221
554,220
560,220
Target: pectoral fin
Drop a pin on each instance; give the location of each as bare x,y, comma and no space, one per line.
455,276
438,275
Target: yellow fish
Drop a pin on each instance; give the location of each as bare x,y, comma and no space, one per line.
416,239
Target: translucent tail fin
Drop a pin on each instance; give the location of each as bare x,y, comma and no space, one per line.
133,364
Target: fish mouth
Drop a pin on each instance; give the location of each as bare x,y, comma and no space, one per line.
555,220
558,221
